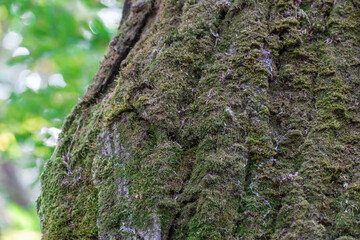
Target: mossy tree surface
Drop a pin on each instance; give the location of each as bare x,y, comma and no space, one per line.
216,120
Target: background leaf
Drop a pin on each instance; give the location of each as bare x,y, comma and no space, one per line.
49,52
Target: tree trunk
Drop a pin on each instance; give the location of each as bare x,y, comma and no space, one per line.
214,119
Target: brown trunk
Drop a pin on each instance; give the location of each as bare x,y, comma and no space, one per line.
214,119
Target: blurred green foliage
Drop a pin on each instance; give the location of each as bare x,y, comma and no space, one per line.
28,219
60,45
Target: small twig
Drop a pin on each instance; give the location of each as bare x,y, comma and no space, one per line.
97,119
66,158
72,141
67,155
216,36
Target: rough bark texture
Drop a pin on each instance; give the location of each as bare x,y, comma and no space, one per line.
214,119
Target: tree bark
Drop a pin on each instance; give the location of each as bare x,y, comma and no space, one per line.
214,119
